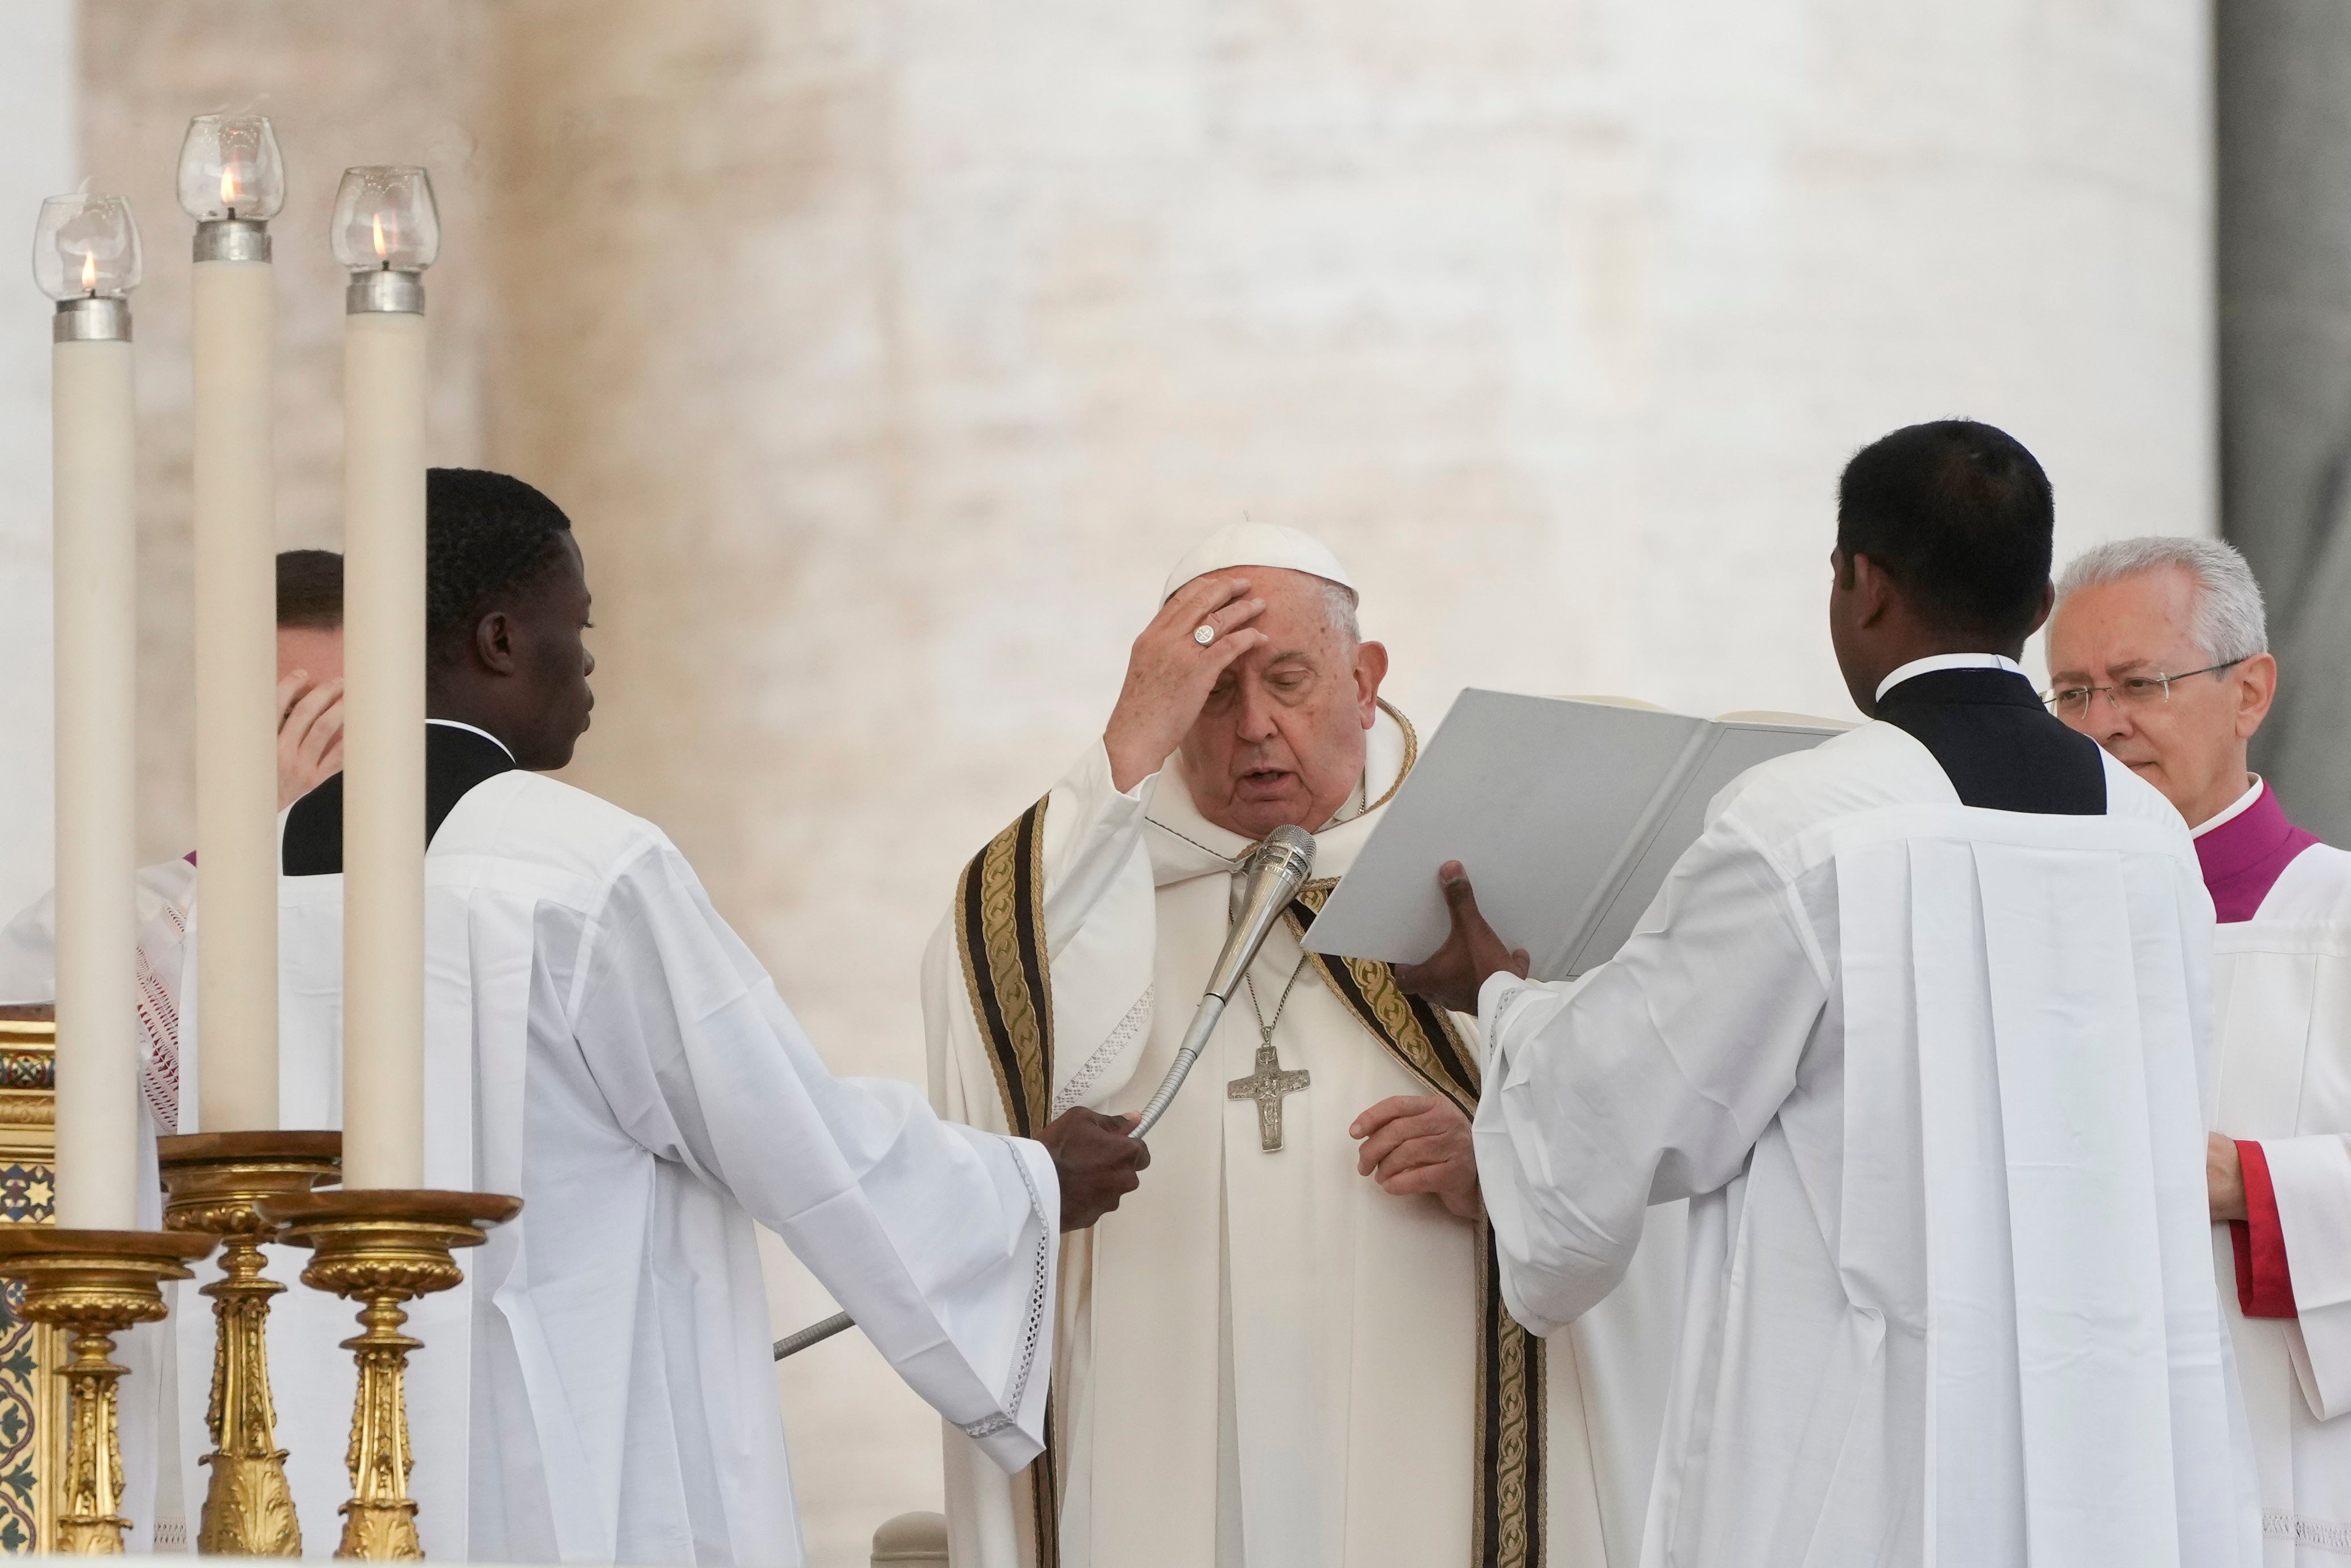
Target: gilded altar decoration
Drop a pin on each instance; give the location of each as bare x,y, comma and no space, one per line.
32,1402
215,1180
381,1249
92,1285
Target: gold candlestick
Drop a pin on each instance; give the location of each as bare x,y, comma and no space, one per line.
381,1247
215,1180
93,1284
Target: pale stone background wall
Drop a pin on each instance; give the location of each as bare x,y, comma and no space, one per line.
36,84
887,354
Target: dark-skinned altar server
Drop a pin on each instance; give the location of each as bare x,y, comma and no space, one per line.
1288,1349
599,1042
2159,650
1921,1027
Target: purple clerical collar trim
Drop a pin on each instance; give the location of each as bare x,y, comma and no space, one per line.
2243,857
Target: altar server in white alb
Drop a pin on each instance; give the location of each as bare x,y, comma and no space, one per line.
1921,1027
1288,1349
602,1044
2158,652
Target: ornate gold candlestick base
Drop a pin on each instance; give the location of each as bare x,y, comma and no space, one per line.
94,1284
381,1249
215,1180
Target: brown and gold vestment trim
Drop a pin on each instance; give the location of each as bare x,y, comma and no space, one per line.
1001,932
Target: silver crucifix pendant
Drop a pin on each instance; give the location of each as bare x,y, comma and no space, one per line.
1267,1086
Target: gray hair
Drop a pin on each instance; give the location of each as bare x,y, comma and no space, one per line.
1339,604
2228,623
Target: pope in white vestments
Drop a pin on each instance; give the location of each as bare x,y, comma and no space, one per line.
600,1387
1264,1358
2159,650
1921,1027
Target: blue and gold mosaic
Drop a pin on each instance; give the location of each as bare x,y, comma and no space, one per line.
27,1198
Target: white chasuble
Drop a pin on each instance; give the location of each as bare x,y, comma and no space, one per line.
1262,1359
1935,1080
2283,998
600,1388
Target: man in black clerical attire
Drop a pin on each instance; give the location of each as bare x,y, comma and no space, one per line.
1919,1026
600,1042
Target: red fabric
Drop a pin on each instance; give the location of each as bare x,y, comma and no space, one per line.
2264,1288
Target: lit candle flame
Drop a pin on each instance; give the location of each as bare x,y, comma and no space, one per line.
382,249
89,272
228,187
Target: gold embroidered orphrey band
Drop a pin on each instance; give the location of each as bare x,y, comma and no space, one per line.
999,928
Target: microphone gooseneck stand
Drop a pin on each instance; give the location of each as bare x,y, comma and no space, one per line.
1276,870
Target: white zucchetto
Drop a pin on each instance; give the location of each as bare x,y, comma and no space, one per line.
1258,544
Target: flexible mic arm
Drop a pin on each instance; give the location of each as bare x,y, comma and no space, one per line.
1277,869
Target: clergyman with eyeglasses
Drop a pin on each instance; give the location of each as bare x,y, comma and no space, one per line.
2158,651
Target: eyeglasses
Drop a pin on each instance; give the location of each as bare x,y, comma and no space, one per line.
2131,691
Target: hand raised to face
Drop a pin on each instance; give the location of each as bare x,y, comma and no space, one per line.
309,735
1097,1162
1171,672
1453,975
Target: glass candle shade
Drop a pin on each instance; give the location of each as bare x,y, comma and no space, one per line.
230,169
385,220
85,247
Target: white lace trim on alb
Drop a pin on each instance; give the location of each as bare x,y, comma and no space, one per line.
1016,1391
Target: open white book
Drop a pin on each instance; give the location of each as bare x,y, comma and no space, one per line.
1567,814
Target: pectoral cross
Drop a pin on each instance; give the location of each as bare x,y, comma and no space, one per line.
1267,1086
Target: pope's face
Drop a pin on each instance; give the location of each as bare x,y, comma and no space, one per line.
2189,744
1280,739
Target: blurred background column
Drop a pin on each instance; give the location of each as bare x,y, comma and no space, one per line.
2283,69
37,83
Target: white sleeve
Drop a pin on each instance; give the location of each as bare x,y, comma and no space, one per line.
2311,1176
1646,1080
939,1239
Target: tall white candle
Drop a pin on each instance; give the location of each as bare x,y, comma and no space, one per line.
386,230
97,612
232,183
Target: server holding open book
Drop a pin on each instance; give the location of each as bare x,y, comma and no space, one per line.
1915,1015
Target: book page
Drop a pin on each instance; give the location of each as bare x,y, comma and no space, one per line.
1566,814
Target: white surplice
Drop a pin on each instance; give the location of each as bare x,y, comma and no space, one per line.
1935,1081
2282,990
600,1388
1265,1359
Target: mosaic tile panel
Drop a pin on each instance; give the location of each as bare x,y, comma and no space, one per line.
27,1198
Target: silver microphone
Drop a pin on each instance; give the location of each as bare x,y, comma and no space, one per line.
1277,869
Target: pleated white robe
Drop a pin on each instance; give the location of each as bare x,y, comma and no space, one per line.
1935,1081
2283,996
600,1388
1264,1359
